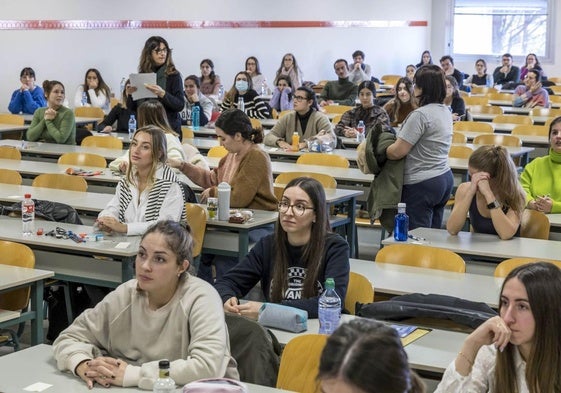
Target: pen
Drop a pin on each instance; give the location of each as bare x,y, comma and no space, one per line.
417,238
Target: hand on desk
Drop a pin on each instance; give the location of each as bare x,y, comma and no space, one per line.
248,309
110,224
542,204
104,370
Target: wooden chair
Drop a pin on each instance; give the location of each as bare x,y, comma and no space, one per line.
485,109
359,290
390,79
61,182
534,224
9,176
15,254
217,151
458,137
500,97
284,178
337,108
323,159
555,99
336,119
497,139
554,79
473,126
460,151
196,218
555,89
187,133
83,159
421,256
547,112
113,102
298,372
513,119
483,90
256,123
282,113
89,111
506,266
10,153
107,141
477,100
530,130
8,118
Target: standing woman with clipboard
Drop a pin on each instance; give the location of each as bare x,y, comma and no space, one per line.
156,58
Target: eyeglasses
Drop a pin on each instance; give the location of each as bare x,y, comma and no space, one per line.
300,98
160,50
298,209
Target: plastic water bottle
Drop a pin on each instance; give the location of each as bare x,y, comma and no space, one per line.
220,92
28,215
164,383
84,98
329,310
195,117
224,191
123,81
241,104
132,126
263,88
360,128
401,224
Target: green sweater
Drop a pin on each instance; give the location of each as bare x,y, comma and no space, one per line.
341,91
538,179
62,129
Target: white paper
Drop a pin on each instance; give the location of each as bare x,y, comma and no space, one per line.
123,245
37,387
139,81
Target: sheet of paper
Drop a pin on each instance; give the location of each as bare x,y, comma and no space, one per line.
139,81
37,387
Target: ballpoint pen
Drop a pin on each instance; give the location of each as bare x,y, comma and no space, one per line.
417,238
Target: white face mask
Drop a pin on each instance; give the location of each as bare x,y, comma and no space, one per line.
242,85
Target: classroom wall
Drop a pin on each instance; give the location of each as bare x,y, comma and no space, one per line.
66,54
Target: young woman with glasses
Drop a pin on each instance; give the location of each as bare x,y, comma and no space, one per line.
292,263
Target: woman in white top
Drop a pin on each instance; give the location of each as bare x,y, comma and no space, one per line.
150,191
289,67
97,92
519,350
257,78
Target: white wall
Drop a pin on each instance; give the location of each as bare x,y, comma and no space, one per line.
66,54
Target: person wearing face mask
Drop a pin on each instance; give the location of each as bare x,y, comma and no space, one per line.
194,97
399,107
28,98
243,88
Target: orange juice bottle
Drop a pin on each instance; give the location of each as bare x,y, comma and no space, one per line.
295,141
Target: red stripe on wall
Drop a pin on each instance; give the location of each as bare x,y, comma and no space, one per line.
181,24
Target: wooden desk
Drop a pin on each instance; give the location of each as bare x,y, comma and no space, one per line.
55,150
80,121
480,244
36,364
555,222
13,277
396,280
527,140
12,131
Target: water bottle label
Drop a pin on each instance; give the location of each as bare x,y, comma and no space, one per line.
329,319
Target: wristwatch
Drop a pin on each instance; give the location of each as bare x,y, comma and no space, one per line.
494,205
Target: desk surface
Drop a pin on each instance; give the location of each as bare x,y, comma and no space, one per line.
555,220
400,280
487,245
527,140
12,276
56,150
12,127
40,360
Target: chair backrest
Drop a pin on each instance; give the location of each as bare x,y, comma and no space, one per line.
113,101
497,139
196,218
284,178
421,256
478,100
556,89
9,152
513,119
16,254
473,126
554,79
61,182
187,133
548,112
217,151
274,113
359,290
108,141
534,224
323,159
483,90
530,130
555,99
256,123
486,109
508,265
460,151
286,111
390,79
500,96
336,119
89,111
337,108
83,159
458,137
9,176
298,372
8,118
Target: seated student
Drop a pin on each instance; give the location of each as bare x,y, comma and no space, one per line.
293,263
399,107
120,113
351,360
282,99
507,74
532,63
163,313
410,72
519,350
28,98
531,94
150,191
453,99
359,71
97,92
426,58
342,91
541,177
194,97
258,80
481,77
447,64
367,111
55,123
243,88
289,67
210,82
494,198
306,120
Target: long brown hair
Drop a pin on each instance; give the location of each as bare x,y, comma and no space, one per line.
101,85
496,161
153,113
314,251
231,94
159,152
146,64
542,281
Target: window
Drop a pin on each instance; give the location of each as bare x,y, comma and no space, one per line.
491,28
